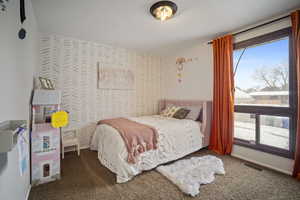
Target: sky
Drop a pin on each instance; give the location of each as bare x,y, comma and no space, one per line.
266,55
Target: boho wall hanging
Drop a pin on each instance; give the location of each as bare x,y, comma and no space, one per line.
180,62
114,78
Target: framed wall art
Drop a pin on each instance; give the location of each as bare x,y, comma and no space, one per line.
46,84
114,78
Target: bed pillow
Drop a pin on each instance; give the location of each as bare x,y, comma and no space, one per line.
181,113
169,111
165,110
194,112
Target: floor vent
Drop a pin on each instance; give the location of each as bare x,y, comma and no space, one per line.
254,166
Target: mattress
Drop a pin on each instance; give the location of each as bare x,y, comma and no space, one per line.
177,138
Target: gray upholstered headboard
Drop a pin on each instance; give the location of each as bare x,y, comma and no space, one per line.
205,118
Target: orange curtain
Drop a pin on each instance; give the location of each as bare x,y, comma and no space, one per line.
295,16
221,139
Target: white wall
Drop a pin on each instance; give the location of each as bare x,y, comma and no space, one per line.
72,65
198,84
278,163
18,61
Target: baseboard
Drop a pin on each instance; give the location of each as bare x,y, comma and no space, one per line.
262,164
28,192
81,148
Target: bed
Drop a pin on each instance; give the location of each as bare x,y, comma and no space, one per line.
177,138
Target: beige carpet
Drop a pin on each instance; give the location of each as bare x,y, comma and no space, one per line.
83,178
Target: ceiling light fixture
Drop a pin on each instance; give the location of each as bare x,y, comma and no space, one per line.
163,10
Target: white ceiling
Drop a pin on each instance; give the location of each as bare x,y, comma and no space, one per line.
128,23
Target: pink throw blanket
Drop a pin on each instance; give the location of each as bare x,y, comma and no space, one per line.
137,137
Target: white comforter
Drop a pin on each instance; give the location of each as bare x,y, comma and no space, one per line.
177,138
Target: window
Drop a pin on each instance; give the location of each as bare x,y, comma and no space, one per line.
274,131
244,127
265,104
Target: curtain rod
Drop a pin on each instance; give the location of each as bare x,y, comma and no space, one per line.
258,26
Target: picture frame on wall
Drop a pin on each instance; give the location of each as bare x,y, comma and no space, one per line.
46,84
50,84
114,78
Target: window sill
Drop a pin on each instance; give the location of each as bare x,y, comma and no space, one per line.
265,148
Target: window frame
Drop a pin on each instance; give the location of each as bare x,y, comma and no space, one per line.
289,111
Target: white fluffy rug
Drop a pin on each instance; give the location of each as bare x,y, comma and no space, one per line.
189,174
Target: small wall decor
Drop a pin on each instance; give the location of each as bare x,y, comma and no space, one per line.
115,78
22,32
179,62
22,11
46,84
3,5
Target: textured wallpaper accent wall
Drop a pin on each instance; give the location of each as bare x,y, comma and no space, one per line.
72,65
